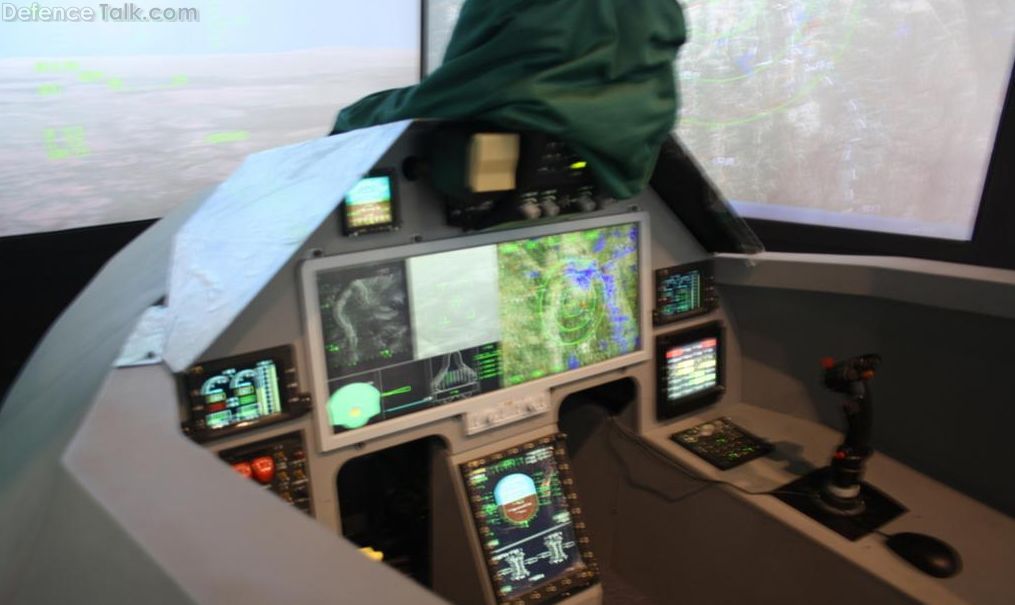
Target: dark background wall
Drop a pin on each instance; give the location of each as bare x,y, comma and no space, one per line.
41,275
943,398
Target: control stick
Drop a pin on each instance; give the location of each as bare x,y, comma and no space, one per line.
851,377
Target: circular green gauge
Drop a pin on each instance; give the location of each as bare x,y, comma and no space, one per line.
353,405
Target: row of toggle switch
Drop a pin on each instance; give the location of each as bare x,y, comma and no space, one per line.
498,414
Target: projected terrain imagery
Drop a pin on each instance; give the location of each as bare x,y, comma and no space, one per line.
567,301
855,113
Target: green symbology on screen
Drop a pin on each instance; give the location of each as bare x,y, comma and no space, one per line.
567,301
231,136
353,405
49,90
66,142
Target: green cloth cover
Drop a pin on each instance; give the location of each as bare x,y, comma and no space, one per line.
597,74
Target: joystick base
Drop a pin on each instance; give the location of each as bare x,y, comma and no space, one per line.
873,509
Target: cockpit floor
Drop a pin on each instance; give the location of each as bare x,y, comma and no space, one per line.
617,591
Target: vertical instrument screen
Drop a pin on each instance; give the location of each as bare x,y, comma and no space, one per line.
692,368
525,513
371,205
689,369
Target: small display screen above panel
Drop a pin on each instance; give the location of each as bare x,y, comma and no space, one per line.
371,205
415,332
527,518
684,291
228,395
689,368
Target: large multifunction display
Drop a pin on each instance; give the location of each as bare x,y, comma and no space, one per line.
409,333
529,524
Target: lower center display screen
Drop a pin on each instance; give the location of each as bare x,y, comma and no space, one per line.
524,518
406,335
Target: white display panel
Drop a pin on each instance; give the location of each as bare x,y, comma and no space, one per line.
549,305
109,121
878,116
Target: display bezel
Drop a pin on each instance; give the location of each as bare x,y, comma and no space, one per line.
293,403
670,409
350,230
329,440
707,286
561,586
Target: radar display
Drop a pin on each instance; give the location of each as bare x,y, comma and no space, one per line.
567,301
364,317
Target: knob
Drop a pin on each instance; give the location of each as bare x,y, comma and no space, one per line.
244,469
263,468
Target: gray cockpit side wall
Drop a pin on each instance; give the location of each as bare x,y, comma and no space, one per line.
45,406
943,397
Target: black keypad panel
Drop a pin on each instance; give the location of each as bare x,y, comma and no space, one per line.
722,443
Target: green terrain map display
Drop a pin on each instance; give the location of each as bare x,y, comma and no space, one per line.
567,301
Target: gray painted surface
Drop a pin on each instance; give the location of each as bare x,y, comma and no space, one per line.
984,537
944,285
44,407
681,540
943,400
205,526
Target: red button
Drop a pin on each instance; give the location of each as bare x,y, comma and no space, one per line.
264,469
244,469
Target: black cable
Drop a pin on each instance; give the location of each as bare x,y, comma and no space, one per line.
629,478
641,443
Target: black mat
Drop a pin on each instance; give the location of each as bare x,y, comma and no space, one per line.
802,494
617,591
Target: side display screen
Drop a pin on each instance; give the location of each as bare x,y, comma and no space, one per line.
527,522
239,392
407,335
684,291
689,367
237,395
371,205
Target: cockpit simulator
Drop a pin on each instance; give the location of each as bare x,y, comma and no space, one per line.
500,340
